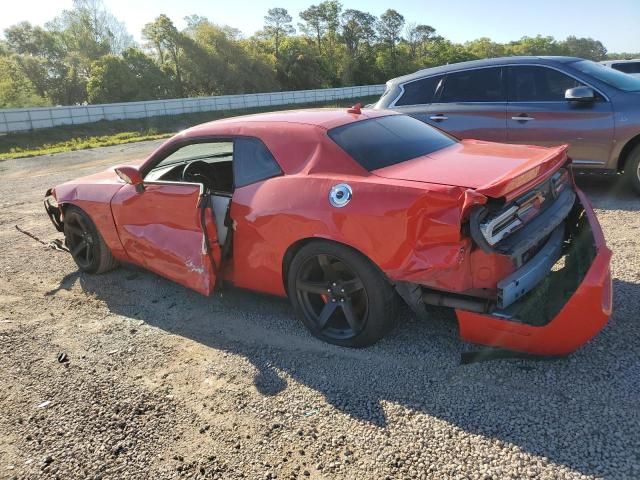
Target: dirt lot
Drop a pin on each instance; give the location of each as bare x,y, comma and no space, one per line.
164,383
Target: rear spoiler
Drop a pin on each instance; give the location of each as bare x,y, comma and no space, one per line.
519,180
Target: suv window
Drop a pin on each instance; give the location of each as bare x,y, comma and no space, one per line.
627,67
252,162
480,85
538,84
419,92
379,142
610,76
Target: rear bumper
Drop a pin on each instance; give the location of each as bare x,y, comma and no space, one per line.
583,315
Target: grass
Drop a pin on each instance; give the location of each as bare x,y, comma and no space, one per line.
117,132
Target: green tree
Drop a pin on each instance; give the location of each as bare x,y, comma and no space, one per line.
358,35
585,48
16,90
89,31
301,68
418,37
358,30
130,77
485,48
390,30
168,42
322,22
538,45
111,81
277,25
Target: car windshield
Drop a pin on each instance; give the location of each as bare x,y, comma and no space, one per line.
384,141
612,77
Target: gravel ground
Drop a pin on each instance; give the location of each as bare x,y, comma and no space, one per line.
160,382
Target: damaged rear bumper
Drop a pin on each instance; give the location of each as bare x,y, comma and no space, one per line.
584,313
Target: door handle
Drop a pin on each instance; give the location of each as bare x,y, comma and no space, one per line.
522,118
438,117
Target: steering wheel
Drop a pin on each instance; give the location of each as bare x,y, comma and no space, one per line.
199,172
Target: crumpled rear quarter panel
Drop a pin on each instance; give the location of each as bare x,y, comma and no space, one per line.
409,232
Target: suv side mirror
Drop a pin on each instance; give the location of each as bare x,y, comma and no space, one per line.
580,94
130,175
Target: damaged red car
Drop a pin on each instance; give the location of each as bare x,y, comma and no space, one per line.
347,211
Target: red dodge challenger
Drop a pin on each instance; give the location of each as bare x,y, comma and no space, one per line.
347,211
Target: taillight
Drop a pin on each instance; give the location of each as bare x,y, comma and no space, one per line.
559,182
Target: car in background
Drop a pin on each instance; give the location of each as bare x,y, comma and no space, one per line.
631,67
531,100
343,209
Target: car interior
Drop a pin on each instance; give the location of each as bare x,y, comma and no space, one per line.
209,164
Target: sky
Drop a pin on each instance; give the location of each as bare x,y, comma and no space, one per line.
614,22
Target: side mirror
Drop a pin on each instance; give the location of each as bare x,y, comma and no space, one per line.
580,94
130,175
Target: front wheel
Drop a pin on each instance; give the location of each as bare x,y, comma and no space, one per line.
340,296
85,243
632,169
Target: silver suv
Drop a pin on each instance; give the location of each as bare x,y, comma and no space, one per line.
531,100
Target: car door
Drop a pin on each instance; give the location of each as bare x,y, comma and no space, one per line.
168,228
467,104
538,114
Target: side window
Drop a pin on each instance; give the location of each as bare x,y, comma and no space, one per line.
213,153
252,162
419,92
538,84
480,85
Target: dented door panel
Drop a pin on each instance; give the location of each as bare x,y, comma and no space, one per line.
161,230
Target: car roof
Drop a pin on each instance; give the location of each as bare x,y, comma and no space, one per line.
486,62
325,118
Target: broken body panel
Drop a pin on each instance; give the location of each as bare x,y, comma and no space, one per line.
410,219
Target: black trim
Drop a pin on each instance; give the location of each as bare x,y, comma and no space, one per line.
204,202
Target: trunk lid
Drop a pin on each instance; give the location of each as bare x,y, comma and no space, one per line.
492,169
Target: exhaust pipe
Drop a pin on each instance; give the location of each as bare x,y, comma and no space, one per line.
453,301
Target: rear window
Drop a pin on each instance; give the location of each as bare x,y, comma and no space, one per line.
384,141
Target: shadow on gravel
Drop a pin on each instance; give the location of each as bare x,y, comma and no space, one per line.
580,412
609,192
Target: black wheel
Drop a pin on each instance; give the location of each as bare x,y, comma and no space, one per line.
85,243
340,296
632,169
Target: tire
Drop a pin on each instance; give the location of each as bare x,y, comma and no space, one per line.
340,296
85,243
632,169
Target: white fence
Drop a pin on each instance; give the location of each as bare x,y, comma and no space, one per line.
22,119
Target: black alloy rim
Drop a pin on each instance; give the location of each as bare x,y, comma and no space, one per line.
80,241
332,297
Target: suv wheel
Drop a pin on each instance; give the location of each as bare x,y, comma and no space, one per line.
632,169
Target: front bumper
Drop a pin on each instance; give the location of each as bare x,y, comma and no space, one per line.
53,210
583,315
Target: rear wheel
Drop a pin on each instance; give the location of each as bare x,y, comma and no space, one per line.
340,296
632,169
85,243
